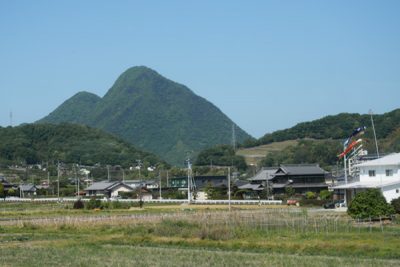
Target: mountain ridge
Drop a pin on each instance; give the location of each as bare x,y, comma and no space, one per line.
153,113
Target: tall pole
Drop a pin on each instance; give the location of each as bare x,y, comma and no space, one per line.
167,179
108,172
58,181
160,185
345,177
229,187
76,168
266,184
139,163
189,179
373,128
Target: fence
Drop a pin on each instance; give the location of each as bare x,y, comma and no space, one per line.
161,201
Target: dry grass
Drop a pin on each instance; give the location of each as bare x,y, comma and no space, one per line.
254,154
208,237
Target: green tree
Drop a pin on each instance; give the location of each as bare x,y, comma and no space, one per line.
396,204
2,192
369,204
325,194
289,191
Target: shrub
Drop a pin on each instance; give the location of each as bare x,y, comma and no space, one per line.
312,202
311,195
94,204
369,204
396,204
78,204
325,194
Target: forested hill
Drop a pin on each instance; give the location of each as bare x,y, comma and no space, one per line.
68,143
334,127
153,113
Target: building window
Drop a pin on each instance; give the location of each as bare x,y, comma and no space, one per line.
389,172
371,173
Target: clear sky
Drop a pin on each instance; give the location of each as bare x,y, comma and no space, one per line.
266,64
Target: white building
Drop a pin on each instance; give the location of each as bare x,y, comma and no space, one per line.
382,173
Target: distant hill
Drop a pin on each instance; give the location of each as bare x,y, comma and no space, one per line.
153,113
69,143
319,141
334,127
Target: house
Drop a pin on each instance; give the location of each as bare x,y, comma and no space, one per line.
7,185
28,190
200,183
300,177
382,173
149,184
107,189
257,183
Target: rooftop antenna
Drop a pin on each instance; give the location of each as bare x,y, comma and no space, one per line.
373,128
11,118
233,137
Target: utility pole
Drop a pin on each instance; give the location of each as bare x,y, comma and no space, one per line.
160,184
139,164
167,179
229,187
108,172
189,170
266,184
58,181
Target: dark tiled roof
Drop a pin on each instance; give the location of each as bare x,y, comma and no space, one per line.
305,169
255,187
264,173
103,185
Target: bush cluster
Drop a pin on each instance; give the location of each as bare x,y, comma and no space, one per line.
369,204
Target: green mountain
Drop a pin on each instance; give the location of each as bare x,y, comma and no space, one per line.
76,109
153,113
69,143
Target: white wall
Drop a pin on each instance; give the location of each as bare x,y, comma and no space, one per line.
380,173
116,191
391,192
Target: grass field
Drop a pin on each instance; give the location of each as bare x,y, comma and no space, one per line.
171,235
254,154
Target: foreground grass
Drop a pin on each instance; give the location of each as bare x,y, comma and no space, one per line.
106,255
201,237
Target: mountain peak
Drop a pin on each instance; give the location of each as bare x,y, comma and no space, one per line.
156,114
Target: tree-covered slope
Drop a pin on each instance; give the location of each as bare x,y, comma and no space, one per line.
334,127
77,109
157,115
68,143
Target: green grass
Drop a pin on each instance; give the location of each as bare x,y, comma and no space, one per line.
106,255
264,237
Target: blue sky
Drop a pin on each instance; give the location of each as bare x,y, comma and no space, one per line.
266,64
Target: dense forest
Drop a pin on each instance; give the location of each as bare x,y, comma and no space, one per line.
220,155
68,143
